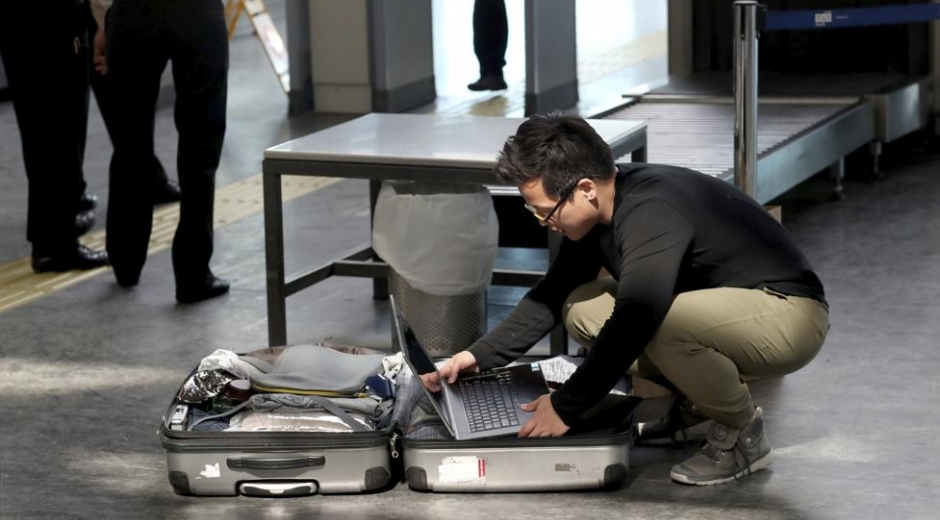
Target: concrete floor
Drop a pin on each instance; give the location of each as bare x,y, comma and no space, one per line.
86,373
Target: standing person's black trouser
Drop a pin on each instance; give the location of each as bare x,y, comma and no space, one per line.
142,35
105,94
45,53
490,35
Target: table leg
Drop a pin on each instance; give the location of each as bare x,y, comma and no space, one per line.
379,285
638,155
558,340
274,260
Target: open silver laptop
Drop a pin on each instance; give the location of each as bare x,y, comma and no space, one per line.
477,405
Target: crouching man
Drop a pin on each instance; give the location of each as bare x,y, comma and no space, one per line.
706,287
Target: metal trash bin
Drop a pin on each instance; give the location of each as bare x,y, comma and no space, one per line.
444,325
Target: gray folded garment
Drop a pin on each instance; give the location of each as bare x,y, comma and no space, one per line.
364,405
379,412
294,420
407,394
315,370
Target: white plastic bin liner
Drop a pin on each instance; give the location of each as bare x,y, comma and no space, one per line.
441,238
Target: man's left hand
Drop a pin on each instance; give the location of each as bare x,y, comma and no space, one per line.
544,422
98,53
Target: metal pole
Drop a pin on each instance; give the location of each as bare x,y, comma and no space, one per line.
935,71
679,31
745,96
300,97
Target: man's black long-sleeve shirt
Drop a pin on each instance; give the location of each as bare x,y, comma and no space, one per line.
673,230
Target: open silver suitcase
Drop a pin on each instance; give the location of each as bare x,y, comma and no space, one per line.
513,465
277,464
595,454
274,463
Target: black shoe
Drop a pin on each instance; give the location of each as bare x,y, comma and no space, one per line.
210,289
87,202
84,221
80,258
488,82
126,281
166,193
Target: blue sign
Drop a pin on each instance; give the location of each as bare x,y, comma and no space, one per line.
859,17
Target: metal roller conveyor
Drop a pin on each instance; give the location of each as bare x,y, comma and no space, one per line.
901,101
796,139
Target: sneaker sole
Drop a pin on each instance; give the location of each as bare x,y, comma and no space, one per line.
756,466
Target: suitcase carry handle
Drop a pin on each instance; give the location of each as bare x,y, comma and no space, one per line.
312,461
278,489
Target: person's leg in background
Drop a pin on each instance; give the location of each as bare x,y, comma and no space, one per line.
490,37
45,49
137,53
200,74
165,190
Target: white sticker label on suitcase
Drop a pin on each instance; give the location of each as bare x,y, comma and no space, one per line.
211,471
463,470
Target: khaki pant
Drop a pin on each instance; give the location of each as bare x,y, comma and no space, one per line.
712,337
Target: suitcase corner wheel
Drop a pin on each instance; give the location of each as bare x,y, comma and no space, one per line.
376,478
179,480
417,479
614,476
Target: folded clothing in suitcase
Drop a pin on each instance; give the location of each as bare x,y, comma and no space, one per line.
593,455
314,370
223,437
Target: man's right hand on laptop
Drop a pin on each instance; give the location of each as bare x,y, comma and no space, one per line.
461,362
431,381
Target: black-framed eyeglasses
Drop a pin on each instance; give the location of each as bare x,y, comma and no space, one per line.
561,200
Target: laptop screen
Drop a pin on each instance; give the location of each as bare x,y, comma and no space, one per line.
417,359
422,364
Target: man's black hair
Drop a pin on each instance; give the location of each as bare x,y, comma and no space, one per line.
559,148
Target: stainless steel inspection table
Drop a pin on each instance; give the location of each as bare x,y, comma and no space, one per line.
405,147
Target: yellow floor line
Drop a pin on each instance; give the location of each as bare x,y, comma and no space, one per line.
19,285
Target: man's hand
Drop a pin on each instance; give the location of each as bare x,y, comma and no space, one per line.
98,55
462,362
544,422
431,381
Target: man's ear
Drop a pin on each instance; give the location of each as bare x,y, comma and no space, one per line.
587,188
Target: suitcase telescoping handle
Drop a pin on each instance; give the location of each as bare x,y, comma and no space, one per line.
307,461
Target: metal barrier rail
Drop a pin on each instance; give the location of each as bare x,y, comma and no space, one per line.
746,32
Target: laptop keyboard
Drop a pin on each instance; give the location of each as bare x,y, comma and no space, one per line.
491,402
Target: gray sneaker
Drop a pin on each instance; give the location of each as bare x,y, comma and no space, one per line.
728,454
683,423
